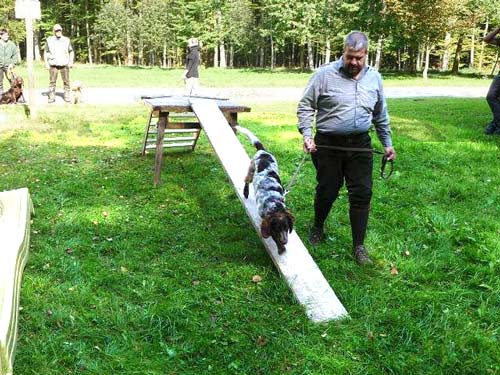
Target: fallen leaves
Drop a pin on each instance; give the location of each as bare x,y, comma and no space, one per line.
394,270
261,341
256,279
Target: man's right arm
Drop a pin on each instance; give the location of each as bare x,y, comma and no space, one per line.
491,37
306,110
46,54
307,106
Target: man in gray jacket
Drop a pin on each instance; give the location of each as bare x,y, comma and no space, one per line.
346,97
9,56
59,57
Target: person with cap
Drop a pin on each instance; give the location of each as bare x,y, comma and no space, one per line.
344,98
9,56
191,75
59,57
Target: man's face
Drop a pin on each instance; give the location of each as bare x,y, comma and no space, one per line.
58,33
5,37
354,61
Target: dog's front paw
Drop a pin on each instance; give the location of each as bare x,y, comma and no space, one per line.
246,191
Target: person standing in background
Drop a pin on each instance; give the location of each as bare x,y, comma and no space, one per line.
9,56
191,75
59,57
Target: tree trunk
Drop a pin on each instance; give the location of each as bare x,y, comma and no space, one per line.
87,30
446,53
458,51
271,42
472,48
222,49
419,58
399,59
231,56
310,58
378,55
481,54
216,56
36,42
426,64
164,56
328,51
130,55
301,57
140,53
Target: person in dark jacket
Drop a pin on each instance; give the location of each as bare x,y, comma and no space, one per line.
9,56
493,96
191,75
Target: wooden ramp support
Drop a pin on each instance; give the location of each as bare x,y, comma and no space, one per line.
296,265
15,214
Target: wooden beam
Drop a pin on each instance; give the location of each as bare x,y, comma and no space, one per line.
15,215
296,265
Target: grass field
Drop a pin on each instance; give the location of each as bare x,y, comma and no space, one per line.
113,76
124,278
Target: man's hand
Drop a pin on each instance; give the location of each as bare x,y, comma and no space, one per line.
390,153
309,145
10,67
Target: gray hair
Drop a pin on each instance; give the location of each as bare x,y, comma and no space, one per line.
356,41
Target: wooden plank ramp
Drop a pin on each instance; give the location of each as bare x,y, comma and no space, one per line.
15,216
296,265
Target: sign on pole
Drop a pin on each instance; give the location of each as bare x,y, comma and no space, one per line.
29,10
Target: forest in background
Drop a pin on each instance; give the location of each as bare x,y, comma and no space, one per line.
405,35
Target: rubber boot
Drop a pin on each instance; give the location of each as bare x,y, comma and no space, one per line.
52,96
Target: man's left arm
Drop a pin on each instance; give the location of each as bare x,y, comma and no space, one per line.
71,55
382,123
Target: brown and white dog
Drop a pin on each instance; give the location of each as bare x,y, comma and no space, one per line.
277,220
77,88
14,93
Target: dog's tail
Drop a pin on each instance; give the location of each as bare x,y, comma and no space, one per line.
255,141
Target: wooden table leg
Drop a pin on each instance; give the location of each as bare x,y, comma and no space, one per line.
162,124
232,119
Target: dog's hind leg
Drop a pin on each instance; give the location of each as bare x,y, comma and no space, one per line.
249,178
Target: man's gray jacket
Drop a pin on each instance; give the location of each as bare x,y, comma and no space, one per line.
58,51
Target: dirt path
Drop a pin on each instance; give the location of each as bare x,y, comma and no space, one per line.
128,95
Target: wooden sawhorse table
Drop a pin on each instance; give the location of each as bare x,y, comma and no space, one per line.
159,123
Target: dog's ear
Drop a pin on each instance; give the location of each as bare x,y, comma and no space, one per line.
245,190
290,219
265,228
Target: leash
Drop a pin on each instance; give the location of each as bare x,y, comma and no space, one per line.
295,174
383,164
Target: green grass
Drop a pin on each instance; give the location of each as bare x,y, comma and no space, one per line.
113,76
125,278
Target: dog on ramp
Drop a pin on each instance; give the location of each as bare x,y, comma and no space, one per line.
277,220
